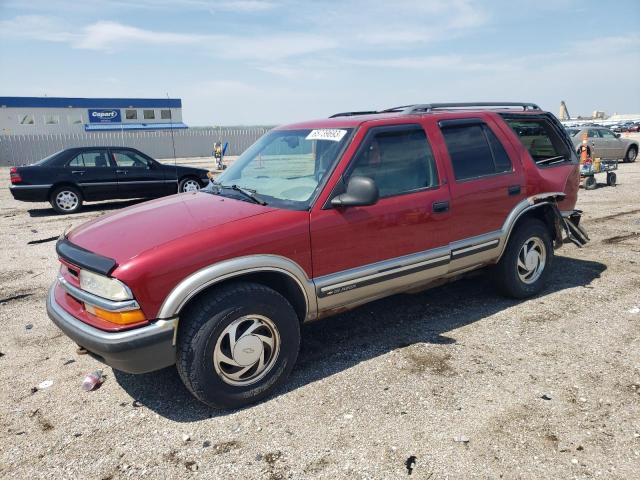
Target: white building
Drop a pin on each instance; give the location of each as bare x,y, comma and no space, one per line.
40,115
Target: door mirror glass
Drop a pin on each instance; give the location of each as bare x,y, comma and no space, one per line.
361,191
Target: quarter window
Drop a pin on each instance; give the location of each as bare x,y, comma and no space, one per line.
131,114
475,151
165,114
544,143
149,114
399,161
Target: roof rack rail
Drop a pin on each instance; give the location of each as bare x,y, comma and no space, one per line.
351,114
430,107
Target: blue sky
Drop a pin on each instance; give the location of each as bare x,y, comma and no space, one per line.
277,61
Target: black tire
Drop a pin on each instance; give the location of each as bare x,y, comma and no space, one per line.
186,183
204,328
631,155
66,199
589,182
611,179
508,272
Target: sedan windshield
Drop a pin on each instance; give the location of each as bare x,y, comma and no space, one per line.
284,168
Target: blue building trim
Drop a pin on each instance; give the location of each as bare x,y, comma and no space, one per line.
92,127
65,102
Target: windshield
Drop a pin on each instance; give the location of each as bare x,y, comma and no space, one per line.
284,168
46,159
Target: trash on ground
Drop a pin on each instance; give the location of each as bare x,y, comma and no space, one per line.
28,326
461,439
93,381
45,384
69,362
634,310
410,463
545,397
136,403
81,351
186,437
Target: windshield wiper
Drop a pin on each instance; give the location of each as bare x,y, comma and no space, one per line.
250,194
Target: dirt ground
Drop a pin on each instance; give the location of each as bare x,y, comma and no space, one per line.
470,384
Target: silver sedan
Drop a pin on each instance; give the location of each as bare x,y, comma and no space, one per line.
605,144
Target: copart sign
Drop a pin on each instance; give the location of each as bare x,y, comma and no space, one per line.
104,115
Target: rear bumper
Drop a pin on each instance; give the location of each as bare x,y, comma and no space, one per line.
30,193
140,350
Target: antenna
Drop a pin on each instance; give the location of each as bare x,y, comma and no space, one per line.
173,143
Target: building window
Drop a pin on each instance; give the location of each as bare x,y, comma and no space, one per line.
75,119
51,119
165,114
131,114
149,114
26,119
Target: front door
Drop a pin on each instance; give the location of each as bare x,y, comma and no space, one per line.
138,176
361,252
94,173
615,147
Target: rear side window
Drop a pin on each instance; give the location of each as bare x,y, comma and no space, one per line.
544,143
91,158
475,151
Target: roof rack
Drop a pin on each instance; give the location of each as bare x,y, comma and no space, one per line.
430,107
352,114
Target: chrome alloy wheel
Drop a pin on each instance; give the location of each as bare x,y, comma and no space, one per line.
190,186
246,350
531,260
67,200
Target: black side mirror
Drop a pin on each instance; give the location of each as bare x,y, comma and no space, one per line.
361,191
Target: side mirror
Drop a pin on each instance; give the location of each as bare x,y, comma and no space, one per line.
361,191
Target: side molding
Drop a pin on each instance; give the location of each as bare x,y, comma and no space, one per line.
198,281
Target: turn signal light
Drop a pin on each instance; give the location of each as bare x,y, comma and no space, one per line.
119,318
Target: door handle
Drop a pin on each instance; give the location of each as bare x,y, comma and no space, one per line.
77,172
515,190
121,171
440,207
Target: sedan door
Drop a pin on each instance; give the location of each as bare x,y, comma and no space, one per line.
138,176
94,173
616,148
599,147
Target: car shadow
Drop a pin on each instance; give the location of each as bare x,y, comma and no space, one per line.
87,208
335,344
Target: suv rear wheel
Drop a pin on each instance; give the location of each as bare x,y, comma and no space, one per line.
237,344
66,199
524,267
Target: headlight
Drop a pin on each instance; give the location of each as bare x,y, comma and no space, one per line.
104,286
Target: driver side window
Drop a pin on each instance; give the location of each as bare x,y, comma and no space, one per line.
125,158
398,160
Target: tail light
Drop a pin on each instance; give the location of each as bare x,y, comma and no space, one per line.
15,176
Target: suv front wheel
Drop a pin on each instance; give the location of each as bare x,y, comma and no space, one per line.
237,344
524,267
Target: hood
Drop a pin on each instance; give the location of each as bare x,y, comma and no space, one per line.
127,233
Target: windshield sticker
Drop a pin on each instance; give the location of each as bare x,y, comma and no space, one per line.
333,134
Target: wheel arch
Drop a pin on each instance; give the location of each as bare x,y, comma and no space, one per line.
541,207
64,183
279,273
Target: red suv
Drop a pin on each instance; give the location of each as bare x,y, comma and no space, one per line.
315,218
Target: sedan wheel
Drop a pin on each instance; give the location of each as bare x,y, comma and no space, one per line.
66,200
189,185
632,153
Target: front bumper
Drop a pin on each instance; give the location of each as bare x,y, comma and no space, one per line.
139,350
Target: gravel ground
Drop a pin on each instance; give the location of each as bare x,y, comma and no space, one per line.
485,387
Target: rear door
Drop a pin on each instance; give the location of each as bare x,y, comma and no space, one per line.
94,173
599,147
485,186
138,176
